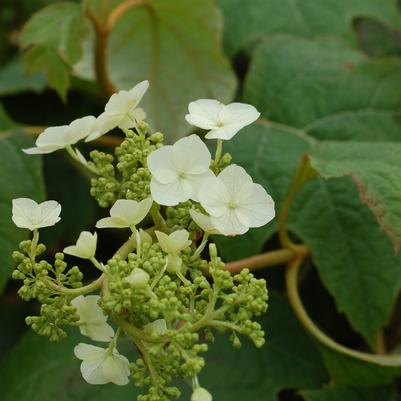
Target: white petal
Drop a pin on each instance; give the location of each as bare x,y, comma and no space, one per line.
225,133
201,394
158,327
196,181
22,211
204,113
139,90
204,222
161,165
52,136
199,160
103,124
92,372
119,103
234,178
100,331
88,352
168,194
85,247
49,213
41,150
229,224
131,211
241,114
111,222
257,208
175,242
116,369
214,197
79,129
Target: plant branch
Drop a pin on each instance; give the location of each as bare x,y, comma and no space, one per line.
299,310
115,15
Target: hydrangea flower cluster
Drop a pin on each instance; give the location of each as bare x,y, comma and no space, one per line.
164,290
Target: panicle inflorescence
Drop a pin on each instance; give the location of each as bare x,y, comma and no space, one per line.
163,289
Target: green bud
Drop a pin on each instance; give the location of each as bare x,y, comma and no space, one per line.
174,264
138,278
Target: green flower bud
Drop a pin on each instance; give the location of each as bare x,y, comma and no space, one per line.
174,264
138,278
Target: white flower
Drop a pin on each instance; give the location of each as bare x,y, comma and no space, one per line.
126,213
201,394
204,222
101,366
234,202
222,121
138,278
93,322
29,214
85,247
55,138
120,111
174,243
178,170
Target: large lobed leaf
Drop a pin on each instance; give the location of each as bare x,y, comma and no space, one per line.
326,89
250,21
21,176
51,42
354,259
176,45
376,170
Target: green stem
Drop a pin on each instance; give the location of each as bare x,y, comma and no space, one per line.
78,291
219,149
296,303
202,245
97,264
34,244
74,155
302,175
157,218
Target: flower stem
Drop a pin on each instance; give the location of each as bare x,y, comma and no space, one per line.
73,154
78,291
219,149
296,303
157,218
202,245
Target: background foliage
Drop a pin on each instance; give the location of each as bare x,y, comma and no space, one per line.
326,77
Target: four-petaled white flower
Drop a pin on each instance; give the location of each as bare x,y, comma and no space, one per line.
178,170
204,222
101,366
234,202
29,214
55,138
85,247
174,243
222,121
92,320
126,213
120,111
201,394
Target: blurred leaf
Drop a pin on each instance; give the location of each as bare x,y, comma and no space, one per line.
13,79
289,359
21,176
354,258
377,39
350,394
255,20
5,121
375,168
176,45
51,42
326,89
346,371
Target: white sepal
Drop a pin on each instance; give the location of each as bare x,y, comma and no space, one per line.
175,242
85,247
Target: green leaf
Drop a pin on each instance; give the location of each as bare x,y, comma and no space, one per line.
251,21
354,259
350,394
21,176
51,41
347,371
375,168
6,122
177,46
37,370
13,80
326,89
